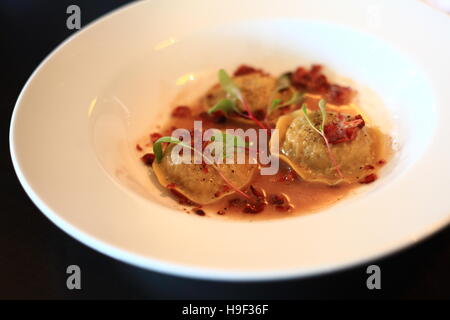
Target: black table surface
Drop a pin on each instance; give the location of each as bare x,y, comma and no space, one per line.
34,253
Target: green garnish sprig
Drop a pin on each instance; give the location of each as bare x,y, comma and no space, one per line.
277,103
237,143
321,131
234,95
283,83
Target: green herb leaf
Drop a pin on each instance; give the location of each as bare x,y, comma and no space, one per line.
275,103
157,146
305,112
225,105
229,86
284,81
295,99
234,93
157,150
323,111
322,107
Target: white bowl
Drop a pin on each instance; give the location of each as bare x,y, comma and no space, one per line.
76,123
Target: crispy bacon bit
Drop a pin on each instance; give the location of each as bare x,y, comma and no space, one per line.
369,179
315,81
339,95
381,162
343,131
258,193
280,202
138,147
276,199
199,212
254,207
244,69
148,159
180,197
181,112
155,136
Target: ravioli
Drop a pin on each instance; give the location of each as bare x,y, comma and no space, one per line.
201,183
256,88
305,150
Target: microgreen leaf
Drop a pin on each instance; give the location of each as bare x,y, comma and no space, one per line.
225,105
234,94
229,86
157,150
295,99
323,111
305,112
157,146
283,81
322,107
275,103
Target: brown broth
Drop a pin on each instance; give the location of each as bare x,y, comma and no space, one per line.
303,197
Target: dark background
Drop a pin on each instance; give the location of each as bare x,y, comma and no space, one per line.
34,254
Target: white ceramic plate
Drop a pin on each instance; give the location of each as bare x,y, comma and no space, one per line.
75,124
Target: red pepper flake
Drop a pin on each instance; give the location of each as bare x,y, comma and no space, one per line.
148,158
155,136
221,212
244,69
369,167
138,147
381,162
181,112
369,179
